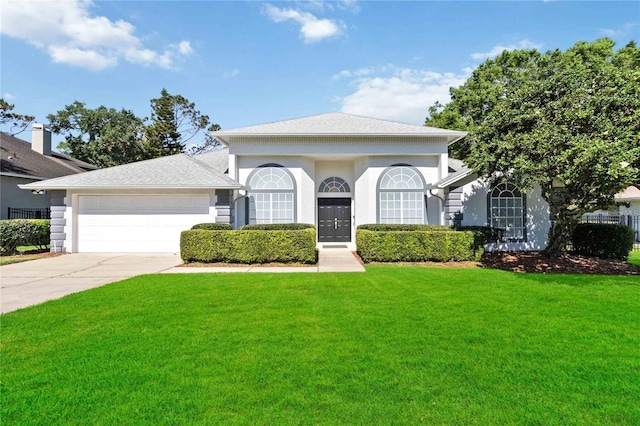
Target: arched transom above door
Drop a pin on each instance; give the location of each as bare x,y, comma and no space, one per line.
334,184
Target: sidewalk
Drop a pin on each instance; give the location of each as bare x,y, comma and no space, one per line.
330,260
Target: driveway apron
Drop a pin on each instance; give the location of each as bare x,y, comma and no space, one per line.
29,283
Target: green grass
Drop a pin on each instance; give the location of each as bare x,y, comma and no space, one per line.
28,253
634,258
395,345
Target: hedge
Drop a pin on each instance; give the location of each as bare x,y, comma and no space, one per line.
278,226
213,226
403,227
23,232
491,235
249,246
603,240
419,246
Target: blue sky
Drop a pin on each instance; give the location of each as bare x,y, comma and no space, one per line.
246,63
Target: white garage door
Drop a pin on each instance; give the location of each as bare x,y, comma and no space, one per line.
137,223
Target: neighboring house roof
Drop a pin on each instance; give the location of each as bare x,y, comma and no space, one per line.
336,124
17,158
175,171
630,194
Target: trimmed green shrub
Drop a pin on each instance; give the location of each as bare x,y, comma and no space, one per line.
403,227
42,236
23,232
491,235
249,246
419,246
213,226
278,226
607,241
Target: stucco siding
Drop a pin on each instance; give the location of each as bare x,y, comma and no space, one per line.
633,209
14,197
365,199
332,145
474,209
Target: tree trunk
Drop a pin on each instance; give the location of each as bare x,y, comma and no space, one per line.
560,236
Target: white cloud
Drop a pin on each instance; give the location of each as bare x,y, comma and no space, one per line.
231,73
322,6
90,59
624,30
312,29
184,48
523,44
405,95
361,72
70,34
9,96
351,5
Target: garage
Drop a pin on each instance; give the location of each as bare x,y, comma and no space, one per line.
137,223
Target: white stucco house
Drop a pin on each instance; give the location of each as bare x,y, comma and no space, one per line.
336,171
630,200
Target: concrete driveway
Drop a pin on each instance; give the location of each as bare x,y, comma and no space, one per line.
29,283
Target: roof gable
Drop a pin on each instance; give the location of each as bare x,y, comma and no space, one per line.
218,159
175,171
631,193
336,123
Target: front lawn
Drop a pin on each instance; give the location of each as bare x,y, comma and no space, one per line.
395,345
634,257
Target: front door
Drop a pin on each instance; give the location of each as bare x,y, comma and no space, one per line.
334,220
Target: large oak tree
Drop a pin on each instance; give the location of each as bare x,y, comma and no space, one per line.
109,137
566,121
102,136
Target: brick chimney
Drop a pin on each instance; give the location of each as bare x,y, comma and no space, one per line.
41,139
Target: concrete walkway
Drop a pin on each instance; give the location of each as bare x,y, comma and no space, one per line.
330,260
36,281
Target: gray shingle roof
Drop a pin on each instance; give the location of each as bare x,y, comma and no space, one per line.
457,171
218,159
175,171
17,157
336,123
631,193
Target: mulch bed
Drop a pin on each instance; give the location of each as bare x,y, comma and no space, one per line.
535,261
531,261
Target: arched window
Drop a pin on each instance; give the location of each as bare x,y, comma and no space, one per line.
271,195
401,195
334,184
507,210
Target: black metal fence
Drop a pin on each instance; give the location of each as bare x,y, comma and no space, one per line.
18,213
623,219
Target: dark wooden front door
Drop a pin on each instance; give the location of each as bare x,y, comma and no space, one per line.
334,220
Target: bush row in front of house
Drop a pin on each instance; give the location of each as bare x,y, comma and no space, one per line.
249,246
418,245
23,232
213,226
608,241
278,226
491,235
